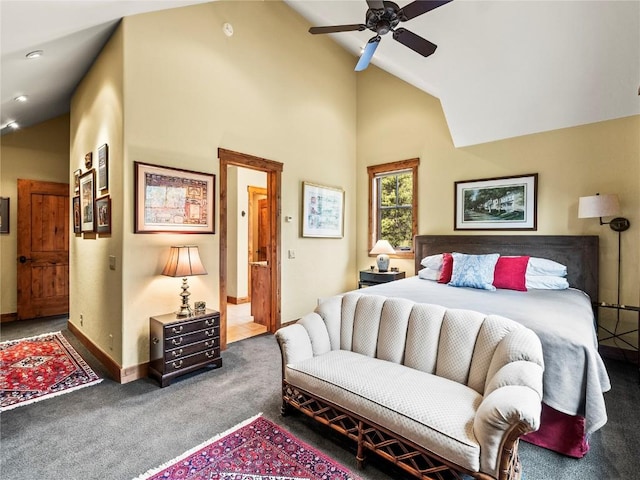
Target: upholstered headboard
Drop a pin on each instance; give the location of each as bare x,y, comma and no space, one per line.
578,252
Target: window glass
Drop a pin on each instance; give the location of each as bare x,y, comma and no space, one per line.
393,204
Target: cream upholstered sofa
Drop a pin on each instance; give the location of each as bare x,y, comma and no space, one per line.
429,388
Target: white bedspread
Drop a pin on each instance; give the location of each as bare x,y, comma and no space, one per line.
575,377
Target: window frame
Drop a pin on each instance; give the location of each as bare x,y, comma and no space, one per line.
375,171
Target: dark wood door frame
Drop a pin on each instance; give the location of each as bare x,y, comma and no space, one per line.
274,185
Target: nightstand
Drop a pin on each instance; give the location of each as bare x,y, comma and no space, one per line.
618,335
369,278
182,345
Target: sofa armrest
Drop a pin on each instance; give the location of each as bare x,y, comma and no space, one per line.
295,344
505,408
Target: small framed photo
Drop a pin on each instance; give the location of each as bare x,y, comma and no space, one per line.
88,160
87,199
504,203
172,200
199,307
322,211
4,214
76,213
103,167
103,214
76,182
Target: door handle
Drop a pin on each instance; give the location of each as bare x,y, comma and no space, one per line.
23,259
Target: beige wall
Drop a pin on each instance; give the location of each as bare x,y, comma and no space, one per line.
272,91
40,153
96,119
574,162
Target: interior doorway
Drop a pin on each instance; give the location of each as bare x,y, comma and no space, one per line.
43,249
269,286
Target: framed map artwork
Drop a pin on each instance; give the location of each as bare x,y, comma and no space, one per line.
171,200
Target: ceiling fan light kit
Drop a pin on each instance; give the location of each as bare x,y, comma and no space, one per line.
383,17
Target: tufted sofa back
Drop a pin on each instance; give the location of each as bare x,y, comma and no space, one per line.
464,346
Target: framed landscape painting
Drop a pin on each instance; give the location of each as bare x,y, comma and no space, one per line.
504,203
322,211
171,200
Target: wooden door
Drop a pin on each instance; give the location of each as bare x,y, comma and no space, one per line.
263,229
43,249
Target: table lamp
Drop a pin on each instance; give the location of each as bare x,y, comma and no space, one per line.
184,261
382,248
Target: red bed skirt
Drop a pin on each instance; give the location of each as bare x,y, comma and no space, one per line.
560,432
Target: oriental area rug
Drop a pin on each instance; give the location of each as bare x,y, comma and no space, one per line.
254,450
37,368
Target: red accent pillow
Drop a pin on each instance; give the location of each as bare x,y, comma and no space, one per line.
510,273
447,268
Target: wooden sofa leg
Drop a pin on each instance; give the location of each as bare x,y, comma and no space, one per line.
285,409
360,459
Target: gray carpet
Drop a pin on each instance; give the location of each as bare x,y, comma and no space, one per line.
113,431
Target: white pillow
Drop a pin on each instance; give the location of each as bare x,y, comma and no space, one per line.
544,266
429,274
546,282
434,262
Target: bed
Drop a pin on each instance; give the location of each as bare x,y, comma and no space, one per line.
575,377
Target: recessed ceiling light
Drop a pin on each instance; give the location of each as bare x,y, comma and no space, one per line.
35,54
21,98
13,125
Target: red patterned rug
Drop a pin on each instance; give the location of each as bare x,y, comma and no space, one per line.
255,450
36,368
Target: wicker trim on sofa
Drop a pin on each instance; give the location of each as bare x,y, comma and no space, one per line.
412,458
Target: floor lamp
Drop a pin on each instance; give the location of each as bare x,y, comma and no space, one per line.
607,206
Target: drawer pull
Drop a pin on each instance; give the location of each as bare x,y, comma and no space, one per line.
177,364
176,353
209,344
209,322
209,333
177,341
177,329
210,354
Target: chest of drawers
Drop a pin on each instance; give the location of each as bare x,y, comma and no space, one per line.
183,345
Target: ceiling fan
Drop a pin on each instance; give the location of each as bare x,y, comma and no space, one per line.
383,17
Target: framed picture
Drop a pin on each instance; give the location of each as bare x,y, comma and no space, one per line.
76,182
88,160
87,198
4,214
322,211
171,200
76,212
505,203
103,214
103,167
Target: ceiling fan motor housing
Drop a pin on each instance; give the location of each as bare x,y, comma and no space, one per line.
384,20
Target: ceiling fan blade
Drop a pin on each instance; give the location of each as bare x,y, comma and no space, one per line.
414,42
419,7
369,50
338,28
375,4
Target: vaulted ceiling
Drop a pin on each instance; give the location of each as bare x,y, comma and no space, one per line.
502,68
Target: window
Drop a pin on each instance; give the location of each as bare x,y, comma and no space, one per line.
393,204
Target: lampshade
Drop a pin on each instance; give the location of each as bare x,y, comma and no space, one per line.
598,206
184,261
382,246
